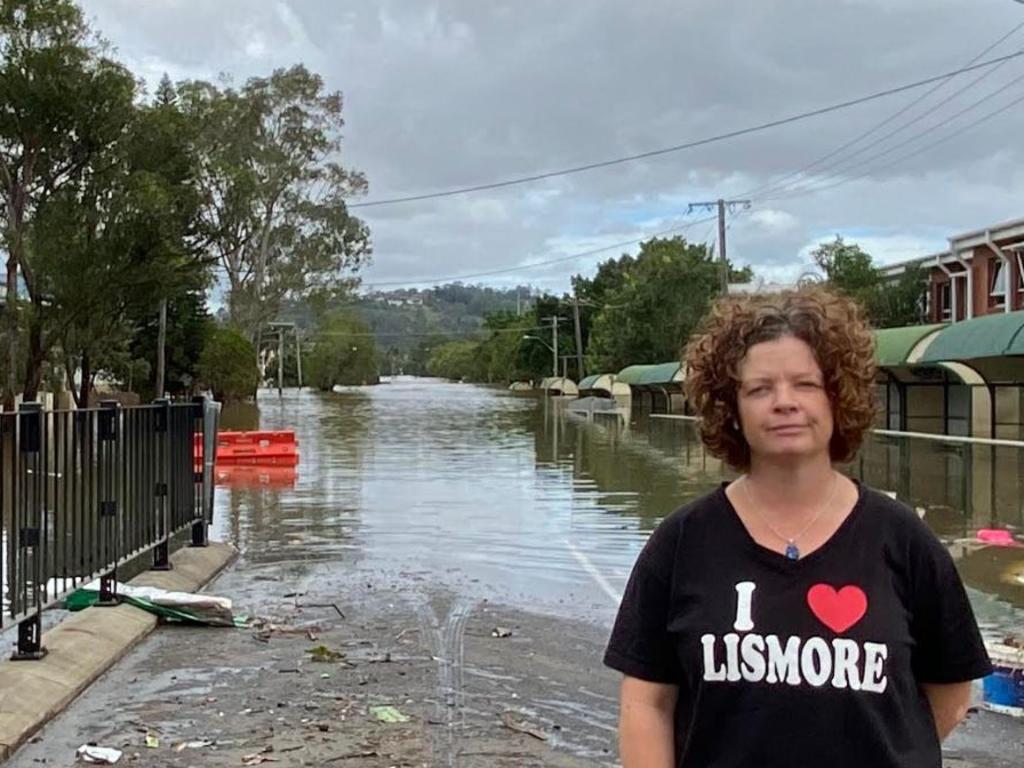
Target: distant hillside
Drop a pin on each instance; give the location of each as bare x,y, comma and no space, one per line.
408,321
404,319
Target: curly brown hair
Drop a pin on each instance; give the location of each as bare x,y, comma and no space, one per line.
831,324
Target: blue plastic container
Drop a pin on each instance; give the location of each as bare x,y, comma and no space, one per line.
1003,690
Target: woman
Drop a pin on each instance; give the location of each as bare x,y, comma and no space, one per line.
793,617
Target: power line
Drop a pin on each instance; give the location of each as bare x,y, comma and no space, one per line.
846,165
559,260
420,334
521,267
779,182
910,140
687,145
984,118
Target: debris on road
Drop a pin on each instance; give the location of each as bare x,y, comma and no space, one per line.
388,714
90,753
516,723
325,655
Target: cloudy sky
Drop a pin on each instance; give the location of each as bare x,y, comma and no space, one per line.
448,94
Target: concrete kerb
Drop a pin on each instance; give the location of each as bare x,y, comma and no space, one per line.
87,644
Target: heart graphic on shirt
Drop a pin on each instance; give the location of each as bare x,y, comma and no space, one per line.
837,610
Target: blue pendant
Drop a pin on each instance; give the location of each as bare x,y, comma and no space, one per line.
792,553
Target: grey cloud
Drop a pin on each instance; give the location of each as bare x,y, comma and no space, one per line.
442,94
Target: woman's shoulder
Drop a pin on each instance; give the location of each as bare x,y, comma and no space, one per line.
683,521
698,511
678,530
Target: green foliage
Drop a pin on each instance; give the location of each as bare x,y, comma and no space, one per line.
104,252
274,192
848,268
634,310
408,323
901,303
228,365
343,353
889,304
66,104
189,326
652,309
455,360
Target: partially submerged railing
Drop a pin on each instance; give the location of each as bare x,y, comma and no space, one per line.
83,492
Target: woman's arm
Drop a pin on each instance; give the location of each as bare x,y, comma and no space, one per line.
950,702
647,724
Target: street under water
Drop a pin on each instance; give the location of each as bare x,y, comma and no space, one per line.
506,497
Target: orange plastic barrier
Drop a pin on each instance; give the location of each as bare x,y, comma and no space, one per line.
256,437
260,448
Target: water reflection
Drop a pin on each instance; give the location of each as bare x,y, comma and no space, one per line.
513,499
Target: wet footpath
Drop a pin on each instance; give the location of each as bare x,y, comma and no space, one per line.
433,588
366,674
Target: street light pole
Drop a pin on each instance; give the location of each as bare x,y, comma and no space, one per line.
280,362
554,352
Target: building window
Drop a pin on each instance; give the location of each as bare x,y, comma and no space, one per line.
1020,270
998,288
946,300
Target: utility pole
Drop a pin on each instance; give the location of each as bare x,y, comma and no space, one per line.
161,346
721,205
555,320
579,337
554,351
298,355
280,362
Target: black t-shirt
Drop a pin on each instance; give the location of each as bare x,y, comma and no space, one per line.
795,663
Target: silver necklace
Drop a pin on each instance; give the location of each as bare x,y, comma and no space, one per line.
792,551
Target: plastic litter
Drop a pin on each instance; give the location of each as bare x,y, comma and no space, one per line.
188,607
90,753
388,714
998,537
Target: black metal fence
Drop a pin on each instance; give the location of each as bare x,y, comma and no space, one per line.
83,492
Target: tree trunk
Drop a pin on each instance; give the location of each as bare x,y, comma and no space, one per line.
36,355
83,397
11,328
69,373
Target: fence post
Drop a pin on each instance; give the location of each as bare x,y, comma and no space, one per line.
28,528
109,515
200,536
162,551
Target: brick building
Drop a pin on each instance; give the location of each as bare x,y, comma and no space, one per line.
981,273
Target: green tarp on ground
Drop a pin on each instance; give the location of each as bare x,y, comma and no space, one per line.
184,607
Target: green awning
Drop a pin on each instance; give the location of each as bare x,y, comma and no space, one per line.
650,375
589,381
894,345
992,335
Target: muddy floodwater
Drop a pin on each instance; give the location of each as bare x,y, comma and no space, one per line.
507,497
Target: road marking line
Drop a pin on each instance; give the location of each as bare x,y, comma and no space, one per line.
595,574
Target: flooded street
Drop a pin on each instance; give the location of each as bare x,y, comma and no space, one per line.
457,554
506,497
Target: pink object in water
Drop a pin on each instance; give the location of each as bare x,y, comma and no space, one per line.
997,537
